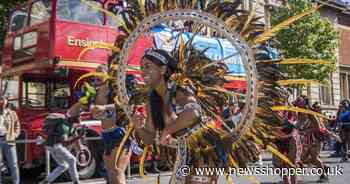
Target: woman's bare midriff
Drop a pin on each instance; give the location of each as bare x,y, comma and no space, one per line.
101,99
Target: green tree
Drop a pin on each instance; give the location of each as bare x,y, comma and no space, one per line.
5,8
312,37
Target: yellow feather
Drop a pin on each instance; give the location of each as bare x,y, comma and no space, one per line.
157,149
194,2
142,162
236,166
114,66
269,33
279,155
161,4
296,82
158,179
303,61
249,19
232,161
182,53
117,101
232,22
256,139
121,146
91,74
297,109
142,7
228,179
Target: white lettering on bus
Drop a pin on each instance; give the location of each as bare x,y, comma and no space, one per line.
72,41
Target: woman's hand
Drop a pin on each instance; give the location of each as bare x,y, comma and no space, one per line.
98,111
165,139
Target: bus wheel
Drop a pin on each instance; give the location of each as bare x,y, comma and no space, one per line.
86,162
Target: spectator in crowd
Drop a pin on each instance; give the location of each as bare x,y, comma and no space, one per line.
58,129
9,131
343,122
337,144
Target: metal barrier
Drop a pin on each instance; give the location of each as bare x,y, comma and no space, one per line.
40,140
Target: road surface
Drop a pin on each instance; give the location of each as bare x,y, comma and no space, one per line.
332,162
269,179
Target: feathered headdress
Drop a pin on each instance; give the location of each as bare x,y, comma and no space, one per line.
205,78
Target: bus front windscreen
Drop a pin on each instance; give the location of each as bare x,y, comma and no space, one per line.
45,94
79,11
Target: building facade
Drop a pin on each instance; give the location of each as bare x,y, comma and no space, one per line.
338,12
338,87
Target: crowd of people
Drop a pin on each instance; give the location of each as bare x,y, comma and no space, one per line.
307,135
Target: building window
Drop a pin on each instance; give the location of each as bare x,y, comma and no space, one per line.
325,95
344,83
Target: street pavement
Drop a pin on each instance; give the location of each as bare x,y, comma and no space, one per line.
270,179
266,179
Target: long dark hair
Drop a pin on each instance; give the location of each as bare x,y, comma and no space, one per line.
160,58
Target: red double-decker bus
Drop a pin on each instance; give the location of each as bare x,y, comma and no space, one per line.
40,66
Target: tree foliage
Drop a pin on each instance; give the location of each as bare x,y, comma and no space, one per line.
5,8
312,37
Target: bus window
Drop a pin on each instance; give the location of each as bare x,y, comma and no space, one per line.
18,20
10,89
59,94
76,10
34,94
40,11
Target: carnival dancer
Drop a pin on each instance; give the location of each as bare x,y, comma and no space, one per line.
98,99
173,110
289,145
314,133
166,113
104,109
